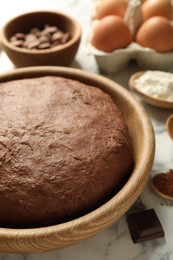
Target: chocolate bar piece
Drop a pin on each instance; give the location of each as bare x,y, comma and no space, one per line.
144,226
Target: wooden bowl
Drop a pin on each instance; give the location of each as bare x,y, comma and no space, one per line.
147,98
60,55
143,143
169,126
160,181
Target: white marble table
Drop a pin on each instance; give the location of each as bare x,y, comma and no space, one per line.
114,242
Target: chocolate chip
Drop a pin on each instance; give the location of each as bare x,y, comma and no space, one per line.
144,226
44,45
32,44
48,37
45,33
51,29
30,37
65,38
43,39
13,39
17,43
34,31
56,43
57,36
20,36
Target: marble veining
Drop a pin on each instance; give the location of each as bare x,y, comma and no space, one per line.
115,242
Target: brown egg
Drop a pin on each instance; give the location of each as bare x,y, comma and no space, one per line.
111,7
152,8
156,33
111,33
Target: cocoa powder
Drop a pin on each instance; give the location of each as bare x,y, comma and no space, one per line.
163,182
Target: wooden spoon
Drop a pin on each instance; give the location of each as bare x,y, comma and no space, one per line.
162,195
147,98
169,126
163,182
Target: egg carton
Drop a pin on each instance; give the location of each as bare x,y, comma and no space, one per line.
118,60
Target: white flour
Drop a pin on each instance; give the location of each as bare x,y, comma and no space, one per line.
157,84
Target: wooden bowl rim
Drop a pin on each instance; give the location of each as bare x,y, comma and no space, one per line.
169,126
147,98
68,44
106,212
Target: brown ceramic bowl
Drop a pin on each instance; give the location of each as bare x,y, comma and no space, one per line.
142,139
61,55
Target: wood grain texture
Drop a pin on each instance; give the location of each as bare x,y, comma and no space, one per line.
143,142
60,55
149,99
169,126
